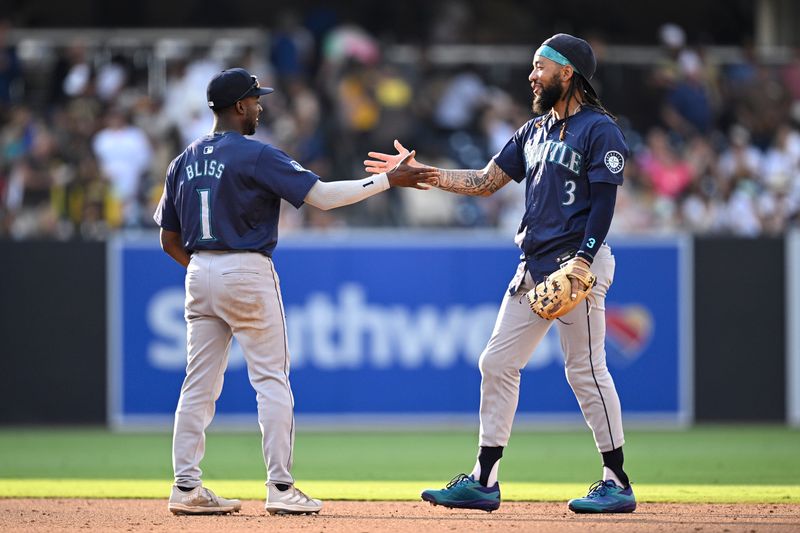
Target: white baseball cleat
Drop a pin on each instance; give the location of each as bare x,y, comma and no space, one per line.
290,501
200,500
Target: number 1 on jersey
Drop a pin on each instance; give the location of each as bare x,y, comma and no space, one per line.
205,215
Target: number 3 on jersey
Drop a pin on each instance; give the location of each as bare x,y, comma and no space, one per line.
569,188
205,215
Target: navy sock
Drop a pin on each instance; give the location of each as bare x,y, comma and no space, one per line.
185,489
282,486
487,457
613,460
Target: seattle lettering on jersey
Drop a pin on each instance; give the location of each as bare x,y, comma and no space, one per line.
206,167
553,152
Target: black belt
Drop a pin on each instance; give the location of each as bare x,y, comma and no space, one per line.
560,258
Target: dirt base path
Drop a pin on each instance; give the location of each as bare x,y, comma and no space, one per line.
396,517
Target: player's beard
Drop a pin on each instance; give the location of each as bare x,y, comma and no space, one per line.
252,121
251,129
547,98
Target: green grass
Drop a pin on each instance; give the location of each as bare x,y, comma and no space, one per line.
726,463
391,490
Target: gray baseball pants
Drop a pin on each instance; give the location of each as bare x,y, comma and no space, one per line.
234,295
516,334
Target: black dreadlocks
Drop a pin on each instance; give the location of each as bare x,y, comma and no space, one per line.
578,85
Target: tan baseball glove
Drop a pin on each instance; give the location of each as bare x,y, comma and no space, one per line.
563,290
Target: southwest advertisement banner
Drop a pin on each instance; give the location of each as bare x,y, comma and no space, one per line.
390,326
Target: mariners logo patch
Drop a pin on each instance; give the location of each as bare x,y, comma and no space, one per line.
298,167
614,161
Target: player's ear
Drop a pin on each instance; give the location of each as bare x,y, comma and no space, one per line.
239,107
566,72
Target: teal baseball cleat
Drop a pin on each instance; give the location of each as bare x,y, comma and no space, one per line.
605,497
463,492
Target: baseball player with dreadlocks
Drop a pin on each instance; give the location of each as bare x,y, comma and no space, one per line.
571,157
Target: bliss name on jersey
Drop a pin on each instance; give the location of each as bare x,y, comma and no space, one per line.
206,167
553,152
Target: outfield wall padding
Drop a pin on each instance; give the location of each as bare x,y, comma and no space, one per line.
52,332
739,329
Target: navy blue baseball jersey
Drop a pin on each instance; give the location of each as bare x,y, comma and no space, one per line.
557,175
224,193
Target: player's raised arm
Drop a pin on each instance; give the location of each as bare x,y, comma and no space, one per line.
329,195
473,182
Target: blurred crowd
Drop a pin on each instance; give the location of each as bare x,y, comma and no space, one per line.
85,142
724,154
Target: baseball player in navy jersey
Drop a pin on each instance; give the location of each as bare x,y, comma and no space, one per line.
219,219
571,157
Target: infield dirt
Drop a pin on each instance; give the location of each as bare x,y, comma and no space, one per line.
395,517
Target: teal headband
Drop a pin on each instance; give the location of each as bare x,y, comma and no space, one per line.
553,55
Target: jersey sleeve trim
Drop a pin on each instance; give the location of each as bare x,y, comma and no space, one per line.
517,178
168,227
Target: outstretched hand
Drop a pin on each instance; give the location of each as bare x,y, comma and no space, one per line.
403,174
381,162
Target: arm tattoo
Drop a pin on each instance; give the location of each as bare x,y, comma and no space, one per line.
482,182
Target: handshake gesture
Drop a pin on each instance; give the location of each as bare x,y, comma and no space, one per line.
402,169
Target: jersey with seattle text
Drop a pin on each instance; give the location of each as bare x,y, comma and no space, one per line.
224,193
557,178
